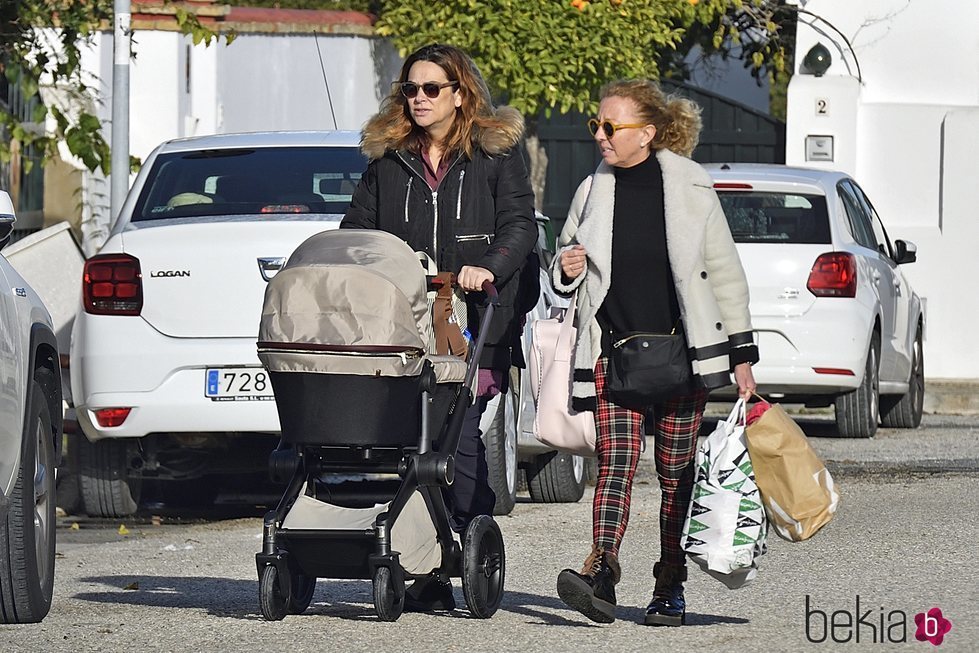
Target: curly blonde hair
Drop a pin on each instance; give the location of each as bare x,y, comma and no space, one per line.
478,123
677,119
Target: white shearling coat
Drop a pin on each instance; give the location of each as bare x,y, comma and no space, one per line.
710,283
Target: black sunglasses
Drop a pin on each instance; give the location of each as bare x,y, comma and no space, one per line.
430,89
609,127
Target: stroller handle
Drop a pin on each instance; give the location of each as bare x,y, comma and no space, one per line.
492,296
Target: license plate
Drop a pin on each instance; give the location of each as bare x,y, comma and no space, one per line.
237,384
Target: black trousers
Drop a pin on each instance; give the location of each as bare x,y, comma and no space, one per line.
470,495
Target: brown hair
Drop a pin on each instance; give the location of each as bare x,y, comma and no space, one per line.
677,119
393,128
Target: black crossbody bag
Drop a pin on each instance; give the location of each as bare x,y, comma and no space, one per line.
647,368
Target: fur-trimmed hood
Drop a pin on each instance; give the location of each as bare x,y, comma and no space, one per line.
503,134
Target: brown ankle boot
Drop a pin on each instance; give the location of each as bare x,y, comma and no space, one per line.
668,607
592,591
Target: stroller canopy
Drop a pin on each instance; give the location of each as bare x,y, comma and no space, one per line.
349,287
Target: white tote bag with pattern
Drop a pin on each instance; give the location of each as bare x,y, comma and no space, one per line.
725,530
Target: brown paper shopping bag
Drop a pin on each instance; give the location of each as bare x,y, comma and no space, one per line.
796,488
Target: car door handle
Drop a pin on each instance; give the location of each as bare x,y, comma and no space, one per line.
876,277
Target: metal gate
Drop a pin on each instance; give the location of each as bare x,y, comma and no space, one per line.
732,132
25,187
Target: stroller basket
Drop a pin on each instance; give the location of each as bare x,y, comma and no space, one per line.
413,536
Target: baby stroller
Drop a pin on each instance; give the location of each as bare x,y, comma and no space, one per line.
345,333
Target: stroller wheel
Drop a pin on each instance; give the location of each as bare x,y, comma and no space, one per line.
483,566
386,603
303,587
270,597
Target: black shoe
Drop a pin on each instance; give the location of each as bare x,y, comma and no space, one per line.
592,591
668,607
430,594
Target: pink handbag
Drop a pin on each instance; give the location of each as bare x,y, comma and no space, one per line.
555,424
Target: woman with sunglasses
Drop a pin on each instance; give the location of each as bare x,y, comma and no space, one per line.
648,249
446,177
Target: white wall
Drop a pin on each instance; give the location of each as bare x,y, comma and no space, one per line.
273,81
907,129
258,82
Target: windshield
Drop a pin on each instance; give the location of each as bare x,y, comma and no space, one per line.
247,181
760,217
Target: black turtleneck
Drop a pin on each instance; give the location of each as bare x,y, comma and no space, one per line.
642,295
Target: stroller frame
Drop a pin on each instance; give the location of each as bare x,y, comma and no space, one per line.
292,559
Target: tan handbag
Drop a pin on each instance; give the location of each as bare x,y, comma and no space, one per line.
556,424
447,306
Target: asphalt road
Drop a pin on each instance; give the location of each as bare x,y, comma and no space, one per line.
904,541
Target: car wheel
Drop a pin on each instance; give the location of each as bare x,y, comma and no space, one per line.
857,411
27,533
556,477
501,450
904,412
103,476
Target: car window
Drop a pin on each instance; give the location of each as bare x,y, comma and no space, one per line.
880,234
760,217
261,180
858,219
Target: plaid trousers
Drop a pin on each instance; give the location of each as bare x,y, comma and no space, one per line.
619,445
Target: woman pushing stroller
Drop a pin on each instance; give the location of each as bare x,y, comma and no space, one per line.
446,177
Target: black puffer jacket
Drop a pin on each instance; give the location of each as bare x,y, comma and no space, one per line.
481,214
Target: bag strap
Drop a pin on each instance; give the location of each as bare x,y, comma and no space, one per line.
431,269
564,344
738,416
448,336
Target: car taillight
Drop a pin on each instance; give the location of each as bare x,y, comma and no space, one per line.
112,285
111,416
834,274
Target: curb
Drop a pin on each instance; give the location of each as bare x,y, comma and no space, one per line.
851,468
952,396
961,466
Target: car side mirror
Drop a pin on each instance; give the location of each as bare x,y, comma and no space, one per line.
7,218
905,251
6,228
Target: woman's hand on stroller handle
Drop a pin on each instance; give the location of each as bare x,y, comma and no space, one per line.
485,284
472,278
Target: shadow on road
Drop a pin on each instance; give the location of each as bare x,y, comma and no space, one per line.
342,599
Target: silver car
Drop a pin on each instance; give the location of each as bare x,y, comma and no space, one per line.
512,450
30,442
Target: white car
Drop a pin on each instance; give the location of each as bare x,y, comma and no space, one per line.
165,375
30,442
835,319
